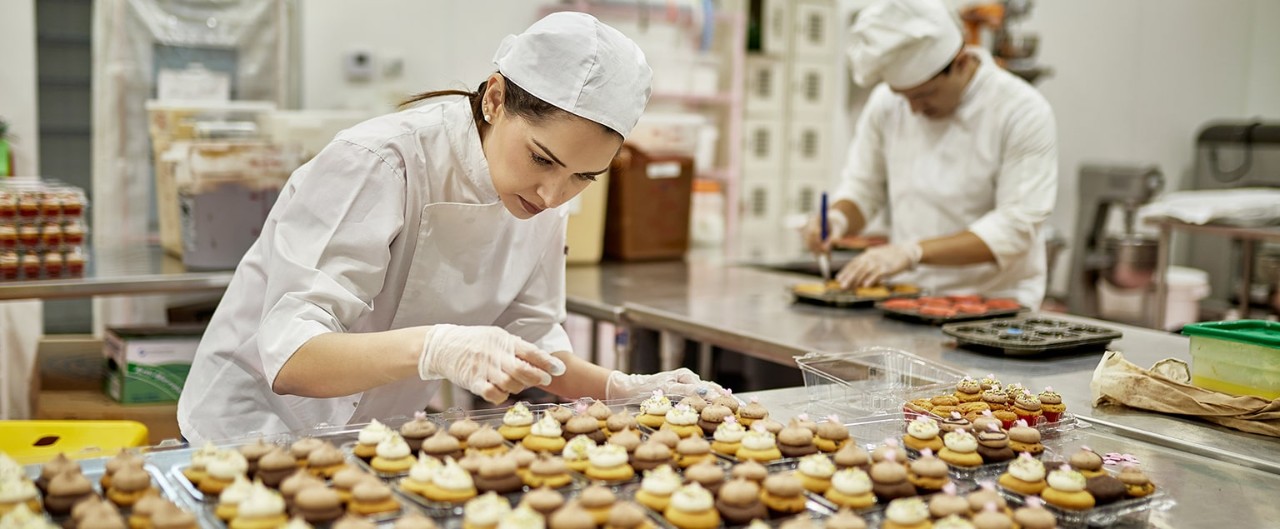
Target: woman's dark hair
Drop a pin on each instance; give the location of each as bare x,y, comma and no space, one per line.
516,100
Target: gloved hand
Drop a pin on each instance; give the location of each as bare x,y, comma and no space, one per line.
876,264
837,224
488,361
678,382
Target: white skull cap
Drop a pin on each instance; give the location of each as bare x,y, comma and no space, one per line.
902,42
581,65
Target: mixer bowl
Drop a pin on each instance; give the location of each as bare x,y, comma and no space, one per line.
1133,261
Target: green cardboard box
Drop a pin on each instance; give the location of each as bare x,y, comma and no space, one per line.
149,364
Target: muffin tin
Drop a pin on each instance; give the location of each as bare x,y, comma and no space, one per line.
819,294
1031,336
955,309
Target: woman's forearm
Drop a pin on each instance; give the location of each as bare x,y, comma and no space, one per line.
340,364
580,379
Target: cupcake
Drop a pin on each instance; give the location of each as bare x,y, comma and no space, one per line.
728,401
600,412
832,435
657,487
928,473
708,474
412,520
769,425
523,458
222,470
1025,476
498,474
462,430
548,471
15,491
696,402
960,449
666,437
692,507
1087,462
418,481
815,472
1105,489
993,446
449,484
9,265
561,414
1051,405
262,509
324,461
889,451
758,445
597,500
575,453
368,498
522,517
318,505
618,422
584,425
1066,490
693,450
948,503
922,433
123,459
653,410
418,430
650,455
750,471
728,437
852,456
295,483
274,467
953,422
907,513
544,500
1028,408
796,441
572,516
712,417
991,517
783,494
368,438
345,480
889,481
739,503
195,472
393,455
985,494
995,399
485,511
1007,418
170,516
1136,483
752,412
352,521
1023,438
94,508
128,486
141,513
544,436
627,515
229,500
968,390
683,421
487,441
609,463
253,452
1033,515
984,422
845,519
627,438
300,449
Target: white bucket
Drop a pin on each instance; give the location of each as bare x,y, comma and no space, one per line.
1187,286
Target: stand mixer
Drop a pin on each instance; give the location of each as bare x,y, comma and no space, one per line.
1127,260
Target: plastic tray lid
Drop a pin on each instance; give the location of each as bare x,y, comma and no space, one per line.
871,377
1253,332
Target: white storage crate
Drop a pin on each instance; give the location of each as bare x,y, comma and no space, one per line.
765,140
766,87
813,88
814,28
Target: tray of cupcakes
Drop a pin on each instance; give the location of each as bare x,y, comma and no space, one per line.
103,493
973,399
1081,492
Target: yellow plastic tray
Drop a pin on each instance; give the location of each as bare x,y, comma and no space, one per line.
31,442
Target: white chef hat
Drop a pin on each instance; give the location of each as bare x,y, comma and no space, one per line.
902,42
581,65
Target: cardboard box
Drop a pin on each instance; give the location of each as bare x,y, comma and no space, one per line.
161,419
149,364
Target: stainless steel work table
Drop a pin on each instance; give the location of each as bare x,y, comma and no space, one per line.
751,311
134,270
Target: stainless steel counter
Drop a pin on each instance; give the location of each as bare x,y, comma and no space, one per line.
122,271
751,311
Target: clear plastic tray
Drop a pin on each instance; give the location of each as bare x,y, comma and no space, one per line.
93,470
873,379
815,506
1048,430
1124,513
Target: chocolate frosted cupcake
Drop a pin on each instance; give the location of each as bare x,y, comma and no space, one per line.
462,429
696,402
122,460
253,452
55,466
66,490
650,455
708,474
620,421
600,412
846,519
739,502
498,474
1105,489
852,456
752,412
442,445
318,505
889,481
626,515
711,417
750,471
418,430
543,500
584,425
993,446
796,441
275,466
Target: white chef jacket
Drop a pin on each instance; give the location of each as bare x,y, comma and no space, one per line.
990,168
396,223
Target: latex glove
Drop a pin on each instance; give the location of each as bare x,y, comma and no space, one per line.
876,264
678,382
837,224
488,361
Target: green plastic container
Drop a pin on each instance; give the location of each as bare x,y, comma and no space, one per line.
1237,357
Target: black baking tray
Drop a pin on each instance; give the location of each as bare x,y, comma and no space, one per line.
848,300
1031,336
914,316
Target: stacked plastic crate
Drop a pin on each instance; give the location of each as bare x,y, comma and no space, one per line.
42,230
790,101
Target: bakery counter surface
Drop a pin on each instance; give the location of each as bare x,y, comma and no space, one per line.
751,311
130,270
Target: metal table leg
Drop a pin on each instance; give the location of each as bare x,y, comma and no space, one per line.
704,361
1161,281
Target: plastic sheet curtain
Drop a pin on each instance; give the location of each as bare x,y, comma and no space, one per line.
133,41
